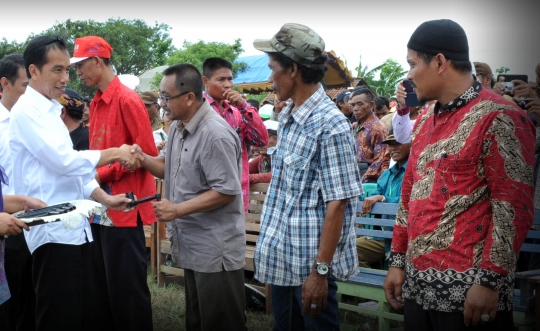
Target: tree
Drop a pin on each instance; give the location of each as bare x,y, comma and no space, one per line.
7,48
365,73
502,70
196,53
390,73
137,45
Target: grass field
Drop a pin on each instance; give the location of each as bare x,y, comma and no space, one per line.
168,307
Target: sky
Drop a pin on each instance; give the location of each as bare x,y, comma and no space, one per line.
500,33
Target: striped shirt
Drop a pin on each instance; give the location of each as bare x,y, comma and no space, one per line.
314,164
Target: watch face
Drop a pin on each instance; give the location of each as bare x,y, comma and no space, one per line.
322,269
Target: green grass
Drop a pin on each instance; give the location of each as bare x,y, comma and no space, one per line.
168,308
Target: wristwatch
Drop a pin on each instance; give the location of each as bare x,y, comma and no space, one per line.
322,268
383,199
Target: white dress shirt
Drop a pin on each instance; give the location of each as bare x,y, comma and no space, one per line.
402,126
46,167
5,160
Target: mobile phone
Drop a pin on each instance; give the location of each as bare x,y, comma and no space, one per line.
412,99
508,86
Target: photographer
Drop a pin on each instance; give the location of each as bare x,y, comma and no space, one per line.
523,90
533,107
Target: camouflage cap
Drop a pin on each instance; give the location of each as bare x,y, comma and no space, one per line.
297,42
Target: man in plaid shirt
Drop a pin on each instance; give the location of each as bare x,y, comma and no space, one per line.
307,235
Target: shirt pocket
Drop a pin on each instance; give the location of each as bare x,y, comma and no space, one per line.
295,168
456,176
189,177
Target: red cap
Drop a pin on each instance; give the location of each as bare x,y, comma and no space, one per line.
90,46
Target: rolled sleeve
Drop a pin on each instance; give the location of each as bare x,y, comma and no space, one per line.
339,174
89,188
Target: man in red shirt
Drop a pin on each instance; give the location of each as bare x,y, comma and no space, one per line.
121,295
467,195
241,116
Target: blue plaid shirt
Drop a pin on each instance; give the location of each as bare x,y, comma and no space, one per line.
314,163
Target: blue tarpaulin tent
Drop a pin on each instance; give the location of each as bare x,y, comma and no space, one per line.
255,79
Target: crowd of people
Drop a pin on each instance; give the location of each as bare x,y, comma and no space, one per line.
466,198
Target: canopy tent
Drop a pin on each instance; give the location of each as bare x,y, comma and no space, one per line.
146,78
255,79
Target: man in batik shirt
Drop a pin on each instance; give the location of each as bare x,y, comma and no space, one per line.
467,195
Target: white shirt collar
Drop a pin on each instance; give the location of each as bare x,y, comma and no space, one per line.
40,101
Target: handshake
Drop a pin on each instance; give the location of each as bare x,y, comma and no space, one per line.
130,157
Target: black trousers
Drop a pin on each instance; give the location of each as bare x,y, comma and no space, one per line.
60,276
18,313
215,301
120,295
418,319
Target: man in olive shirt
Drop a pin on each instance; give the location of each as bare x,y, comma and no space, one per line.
201,165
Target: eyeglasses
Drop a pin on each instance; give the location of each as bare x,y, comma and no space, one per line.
166,98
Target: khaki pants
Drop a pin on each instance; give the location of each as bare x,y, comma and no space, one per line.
369,251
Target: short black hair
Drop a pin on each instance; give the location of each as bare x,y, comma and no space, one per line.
213,64
188,78
37,51
9,67
75,114
363,90
253,103
380,102
463,67
107,62
309,75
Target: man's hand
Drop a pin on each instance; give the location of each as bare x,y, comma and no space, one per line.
165,210
392,286
480,300
369,202
234,98
136,158
401,95
499,87
522,90
10,226
32,203
533,107
129,158
314,294
279,105
118,202
161,145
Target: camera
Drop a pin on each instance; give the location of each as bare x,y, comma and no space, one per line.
507,84
523,103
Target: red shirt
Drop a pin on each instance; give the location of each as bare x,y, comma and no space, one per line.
120,117
466,201
251,130
257,170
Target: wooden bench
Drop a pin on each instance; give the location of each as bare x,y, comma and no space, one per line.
528,282
257,195
368,283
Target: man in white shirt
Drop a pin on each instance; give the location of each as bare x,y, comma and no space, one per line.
19,309
46,167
